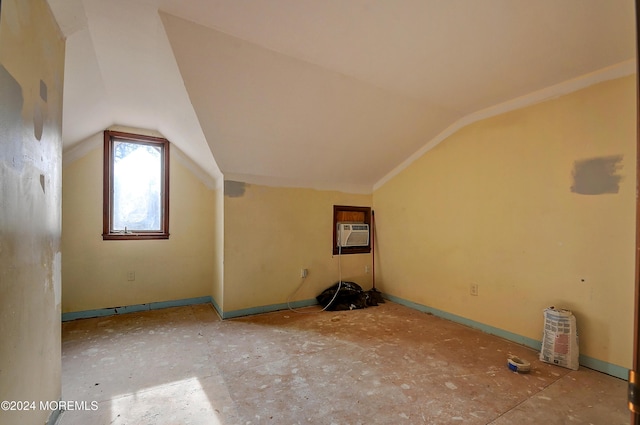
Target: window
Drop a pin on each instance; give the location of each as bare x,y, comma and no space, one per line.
136,187
347,214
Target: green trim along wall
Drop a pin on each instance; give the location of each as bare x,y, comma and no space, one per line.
95,271
266,236
534,344
270,233
537,207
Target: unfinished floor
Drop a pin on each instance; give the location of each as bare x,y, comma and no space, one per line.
383,365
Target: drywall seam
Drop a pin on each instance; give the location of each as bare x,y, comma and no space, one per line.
612,72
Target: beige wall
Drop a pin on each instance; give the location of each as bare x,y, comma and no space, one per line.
31,79
493,205
245,251
217,288
270,233
95,271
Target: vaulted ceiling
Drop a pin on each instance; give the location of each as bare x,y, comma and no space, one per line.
328,93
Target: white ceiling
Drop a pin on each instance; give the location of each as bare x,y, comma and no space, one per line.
327,93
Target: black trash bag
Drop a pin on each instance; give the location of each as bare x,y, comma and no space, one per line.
350,296
375,297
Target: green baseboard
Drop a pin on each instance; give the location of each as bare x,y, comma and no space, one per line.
268,308
112,311
586,361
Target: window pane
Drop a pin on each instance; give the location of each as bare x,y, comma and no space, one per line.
137,187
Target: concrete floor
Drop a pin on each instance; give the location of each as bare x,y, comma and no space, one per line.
382,365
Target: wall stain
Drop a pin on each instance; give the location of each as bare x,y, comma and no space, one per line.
43,91
597,176
40,112
10,114
234,189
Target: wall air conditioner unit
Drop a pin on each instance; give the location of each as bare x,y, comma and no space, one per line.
353,234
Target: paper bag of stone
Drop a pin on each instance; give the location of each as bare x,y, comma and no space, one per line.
560,338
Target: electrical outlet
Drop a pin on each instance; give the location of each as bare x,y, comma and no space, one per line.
367,269
131,276
474,289
304,273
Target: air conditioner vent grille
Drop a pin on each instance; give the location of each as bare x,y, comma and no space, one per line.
353,234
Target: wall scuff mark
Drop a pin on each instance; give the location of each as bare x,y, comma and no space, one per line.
597,176
10,114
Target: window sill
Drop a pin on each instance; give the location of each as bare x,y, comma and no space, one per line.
133,236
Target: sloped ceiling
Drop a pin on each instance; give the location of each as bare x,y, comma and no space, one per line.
324,94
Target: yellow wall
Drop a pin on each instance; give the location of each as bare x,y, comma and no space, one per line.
95,271
31,80
493,205
270,233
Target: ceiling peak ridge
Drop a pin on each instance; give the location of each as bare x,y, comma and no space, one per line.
619,70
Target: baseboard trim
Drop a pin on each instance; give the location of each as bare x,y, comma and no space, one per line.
54,416
216,307
268,308
112,311
586,361
604,367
